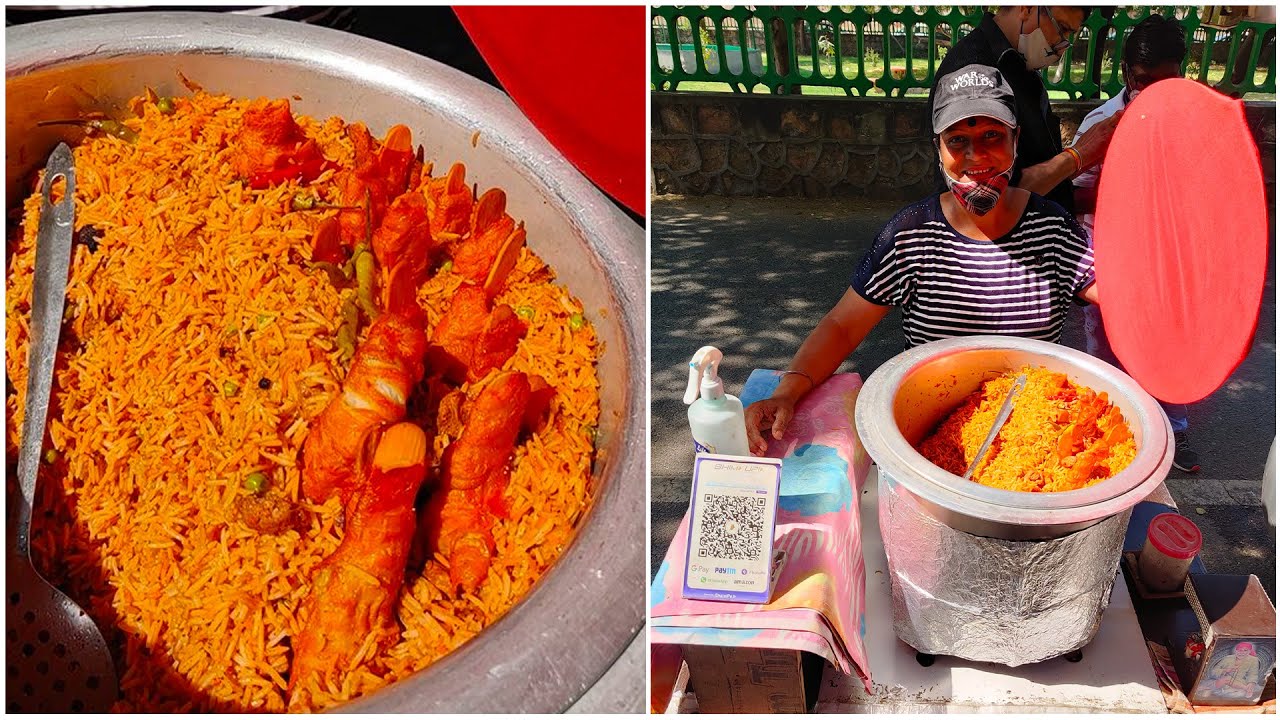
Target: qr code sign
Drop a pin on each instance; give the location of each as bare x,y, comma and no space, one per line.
732,527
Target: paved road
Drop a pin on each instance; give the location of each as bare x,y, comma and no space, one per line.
754,276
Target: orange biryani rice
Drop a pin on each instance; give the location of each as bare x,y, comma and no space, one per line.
133,514
1060,435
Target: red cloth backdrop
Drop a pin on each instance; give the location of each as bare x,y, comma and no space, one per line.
580,75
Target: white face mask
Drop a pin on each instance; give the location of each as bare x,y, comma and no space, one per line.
1035,48
1129,92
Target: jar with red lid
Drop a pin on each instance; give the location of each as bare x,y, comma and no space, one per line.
1172,542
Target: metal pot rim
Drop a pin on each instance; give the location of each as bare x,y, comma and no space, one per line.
904,464
536,658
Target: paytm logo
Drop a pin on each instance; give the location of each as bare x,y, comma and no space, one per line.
726,571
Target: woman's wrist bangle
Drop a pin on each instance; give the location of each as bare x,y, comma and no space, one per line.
801,373
1075,155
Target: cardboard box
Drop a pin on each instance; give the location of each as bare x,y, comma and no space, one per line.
753,680
1225,658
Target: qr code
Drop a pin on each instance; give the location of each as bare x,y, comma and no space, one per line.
732,527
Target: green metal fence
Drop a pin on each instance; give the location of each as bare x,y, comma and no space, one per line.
895,50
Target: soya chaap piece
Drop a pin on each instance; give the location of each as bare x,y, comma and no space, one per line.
386,367
472,339
477,467
349,614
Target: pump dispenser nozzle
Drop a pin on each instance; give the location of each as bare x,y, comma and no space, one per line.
704,375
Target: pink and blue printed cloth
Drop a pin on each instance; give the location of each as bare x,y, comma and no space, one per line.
819,596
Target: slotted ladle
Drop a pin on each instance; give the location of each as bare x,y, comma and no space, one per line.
1005,411
56,658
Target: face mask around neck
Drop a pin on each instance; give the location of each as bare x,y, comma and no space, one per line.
979,197
1035,47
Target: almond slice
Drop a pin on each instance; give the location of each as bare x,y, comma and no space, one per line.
504,262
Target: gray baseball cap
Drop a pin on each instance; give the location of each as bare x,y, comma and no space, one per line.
972,91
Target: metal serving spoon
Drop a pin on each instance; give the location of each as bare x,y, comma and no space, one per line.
56,658
1005,411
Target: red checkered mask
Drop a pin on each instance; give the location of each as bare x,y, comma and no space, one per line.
979,196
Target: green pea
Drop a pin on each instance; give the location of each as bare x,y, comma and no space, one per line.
165,106
256,483
576,321
230,388
51,456
525,312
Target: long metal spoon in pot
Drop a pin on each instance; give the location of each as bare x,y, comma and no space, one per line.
1005,411
57,659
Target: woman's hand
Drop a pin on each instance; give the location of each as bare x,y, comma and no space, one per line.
1093,144
775,413
837,334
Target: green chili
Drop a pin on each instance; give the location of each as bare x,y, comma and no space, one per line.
337,276
165,106
347,330
230,388
446,266
108,127
525,312
364,282
51,456
576,321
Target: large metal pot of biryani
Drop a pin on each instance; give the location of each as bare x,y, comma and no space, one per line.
559,639
985,573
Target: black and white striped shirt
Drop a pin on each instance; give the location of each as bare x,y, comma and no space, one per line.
949,285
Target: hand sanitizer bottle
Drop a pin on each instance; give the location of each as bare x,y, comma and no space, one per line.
715,418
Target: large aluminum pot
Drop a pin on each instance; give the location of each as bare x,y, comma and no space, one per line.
988,574
562,637
908,396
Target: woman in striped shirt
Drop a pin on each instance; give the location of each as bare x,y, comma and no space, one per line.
981,259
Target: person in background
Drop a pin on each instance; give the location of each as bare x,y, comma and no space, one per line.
1153,52
980,258
1020,42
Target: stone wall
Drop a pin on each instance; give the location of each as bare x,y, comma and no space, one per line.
763,145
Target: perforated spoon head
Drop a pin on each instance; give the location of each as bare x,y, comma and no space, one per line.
56,658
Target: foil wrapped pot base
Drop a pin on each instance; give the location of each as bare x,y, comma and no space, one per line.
992,600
